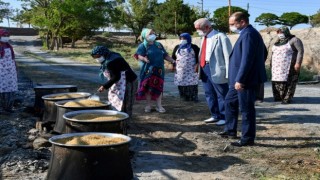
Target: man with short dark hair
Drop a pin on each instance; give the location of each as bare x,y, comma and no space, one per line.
246,71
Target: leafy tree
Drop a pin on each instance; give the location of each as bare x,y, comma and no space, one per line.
82,18
135,14
221,17
293,18
315,19
199,13
174,17
267,19
56,18
4,10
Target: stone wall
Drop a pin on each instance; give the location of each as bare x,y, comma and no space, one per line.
310,38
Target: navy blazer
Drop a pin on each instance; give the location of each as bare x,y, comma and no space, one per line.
247,59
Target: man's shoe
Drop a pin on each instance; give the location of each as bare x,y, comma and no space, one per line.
225,134
211,120
240,143
221,122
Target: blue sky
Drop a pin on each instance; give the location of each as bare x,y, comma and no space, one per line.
256,7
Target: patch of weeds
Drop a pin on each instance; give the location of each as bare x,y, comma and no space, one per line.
306,74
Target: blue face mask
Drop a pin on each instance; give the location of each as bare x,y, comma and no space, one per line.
151,37
183,42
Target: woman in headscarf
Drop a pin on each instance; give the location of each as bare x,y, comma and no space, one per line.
151,55
186,77
8,73
120,79
287,55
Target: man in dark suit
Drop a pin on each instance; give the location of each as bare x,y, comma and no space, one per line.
246,71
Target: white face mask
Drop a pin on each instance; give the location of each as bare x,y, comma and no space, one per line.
234,29
183,41
5,39
201,33
151,37
100,59
281,36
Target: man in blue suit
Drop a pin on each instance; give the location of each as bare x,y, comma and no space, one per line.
246,71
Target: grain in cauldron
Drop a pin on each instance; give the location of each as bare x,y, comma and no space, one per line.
85,162
60,125
96,121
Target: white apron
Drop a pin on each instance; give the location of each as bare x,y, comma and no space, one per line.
281,60
185,74
8,73
117,91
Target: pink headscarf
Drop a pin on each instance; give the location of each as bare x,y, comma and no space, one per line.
4,32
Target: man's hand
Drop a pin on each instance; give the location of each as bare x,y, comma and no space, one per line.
238,86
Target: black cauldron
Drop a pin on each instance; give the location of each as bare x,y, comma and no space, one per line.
50,109
41,90
60,125
110,126
90,162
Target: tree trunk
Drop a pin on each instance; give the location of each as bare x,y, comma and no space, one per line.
73,43
47,41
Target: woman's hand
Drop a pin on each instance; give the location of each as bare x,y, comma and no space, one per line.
143,58
146,60
196,68
297,67
101,89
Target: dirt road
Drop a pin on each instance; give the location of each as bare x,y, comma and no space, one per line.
178,145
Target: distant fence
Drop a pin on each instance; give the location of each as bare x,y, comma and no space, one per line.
21,31
34,32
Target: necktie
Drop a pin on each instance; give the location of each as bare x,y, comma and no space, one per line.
203,52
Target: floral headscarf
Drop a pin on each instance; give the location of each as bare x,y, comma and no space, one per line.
188,45
143,37
285,30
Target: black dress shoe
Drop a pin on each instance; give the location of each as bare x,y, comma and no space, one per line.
240,143
225,134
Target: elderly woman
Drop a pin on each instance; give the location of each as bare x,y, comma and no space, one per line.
151,55
122,81
186,76
8,73
287,55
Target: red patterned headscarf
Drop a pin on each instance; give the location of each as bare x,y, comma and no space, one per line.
4,32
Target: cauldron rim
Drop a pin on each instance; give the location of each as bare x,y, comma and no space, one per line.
49,96
61,104
53,138
95,111
51,86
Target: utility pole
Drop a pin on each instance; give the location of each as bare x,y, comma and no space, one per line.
229,7
175,22
201,2
229,13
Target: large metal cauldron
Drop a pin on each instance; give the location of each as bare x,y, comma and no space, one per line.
110,126
60,125
41,90
85,162
50,109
